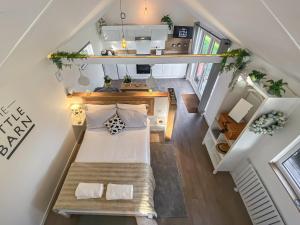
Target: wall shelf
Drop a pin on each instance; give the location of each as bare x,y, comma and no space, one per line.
146,59
246,139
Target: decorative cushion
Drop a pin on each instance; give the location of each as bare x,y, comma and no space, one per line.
115,125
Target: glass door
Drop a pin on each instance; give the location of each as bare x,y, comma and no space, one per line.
209,45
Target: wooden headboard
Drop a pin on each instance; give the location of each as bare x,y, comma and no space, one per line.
106,98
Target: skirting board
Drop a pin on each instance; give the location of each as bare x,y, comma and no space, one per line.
63,175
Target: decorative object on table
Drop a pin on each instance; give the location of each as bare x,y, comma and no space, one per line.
107,81
241,59
77,114
275,87
167,20
57,57
268,123
240,110
99,24
257,76
127,79
222,148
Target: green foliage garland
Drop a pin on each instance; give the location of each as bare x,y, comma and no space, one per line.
57,57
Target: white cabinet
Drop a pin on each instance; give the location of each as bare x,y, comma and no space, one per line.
159,34
157,70
174,70
112,35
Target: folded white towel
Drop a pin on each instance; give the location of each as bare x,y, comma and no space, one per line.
119,191
89,190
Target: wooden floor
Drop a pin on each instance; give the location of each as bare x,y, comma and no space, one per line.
210,199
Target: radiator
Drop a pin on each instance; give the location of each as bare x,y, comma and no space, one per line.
258,202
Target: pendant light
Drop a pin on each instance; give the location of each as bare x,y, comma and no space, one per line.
146,8
122,17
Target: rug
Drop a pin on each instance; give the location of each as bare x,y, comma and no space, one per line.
168,195
191,102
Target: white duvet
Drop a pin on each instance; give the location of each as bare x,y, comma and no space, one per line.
130,146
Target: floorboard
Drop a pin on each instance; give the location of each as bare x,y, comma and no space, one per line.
210,199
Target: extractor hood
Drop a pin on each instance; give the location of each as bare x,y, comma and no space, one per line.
143,45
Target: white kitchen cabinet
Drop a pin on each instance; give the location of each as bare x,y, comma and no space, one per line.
159,34
157,70
174,70
112,35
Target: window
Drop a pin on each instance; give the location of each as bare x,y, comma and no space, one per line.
287,167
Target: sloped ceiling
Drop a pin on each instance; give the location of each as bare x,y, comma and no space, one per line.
269,28
134,10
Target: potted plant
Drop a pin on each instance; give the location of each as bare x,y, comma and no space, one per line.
241,59
257,76
127,79
167,20
276,87
107,81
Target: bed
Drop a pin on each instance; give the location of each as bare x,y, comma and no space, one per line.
118,159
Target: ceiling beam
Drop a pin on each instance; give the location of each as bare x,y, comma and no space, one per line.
147,59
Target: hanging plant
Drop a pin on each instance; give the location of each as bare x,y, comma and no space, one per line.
99,24
167,19
268,123
57,57
127,79
257,76
241,59
276,87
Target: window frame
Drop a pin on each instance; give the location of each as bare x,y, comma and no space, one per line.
283,175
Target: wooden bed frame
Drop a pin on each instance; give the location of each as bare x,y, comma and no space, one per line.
106,98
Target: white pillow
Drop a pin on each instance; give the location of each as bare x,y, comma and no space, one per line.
133,118
97,115
141,108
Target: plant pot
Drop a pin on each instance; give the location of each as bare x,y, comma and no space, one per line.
107,84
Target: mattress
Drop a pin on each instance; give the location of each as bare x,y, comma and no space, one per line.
129,146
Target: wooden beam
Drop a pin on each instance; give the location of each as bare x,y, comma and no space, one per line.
147,59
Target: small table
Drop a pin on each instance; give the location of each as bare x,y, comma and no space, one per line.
134,87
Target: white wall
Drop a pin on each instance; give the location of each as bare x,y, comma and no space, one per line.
28,179
93,71
263,152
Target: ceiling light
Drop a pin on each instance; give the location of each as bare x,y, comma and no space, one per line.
122,17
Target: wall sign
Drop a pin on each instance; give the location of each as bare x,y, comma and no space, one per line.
15,125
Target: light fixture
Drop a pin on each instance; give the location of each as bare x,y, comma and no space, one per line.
77,114
146,8
122,17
